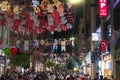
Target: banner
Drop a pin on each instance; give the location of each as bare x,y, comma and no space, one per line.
103,45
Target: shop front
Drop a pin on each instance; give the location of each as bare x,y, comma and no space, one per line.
107,65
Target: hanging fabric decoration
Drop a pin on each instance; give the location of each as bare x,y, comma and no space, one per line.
32,14
60,6
26,45
63,27
16,16
16,25
50,8
63,20
70,15
3,20
50,20
56,18
69,25
63,46
50,16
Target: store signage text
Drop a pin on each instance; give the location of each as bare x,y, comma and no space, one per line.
103,8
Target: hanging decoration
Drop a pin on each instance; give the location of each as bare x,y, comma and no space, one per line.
103,45
47,16
7,51
4,5
13,50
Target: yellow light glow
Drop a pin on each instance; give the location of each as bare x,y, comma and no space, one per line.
74,69
5,5
16,9
76,1
36,9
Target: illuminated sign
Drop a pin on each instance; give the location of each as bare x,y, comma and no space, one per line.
103,8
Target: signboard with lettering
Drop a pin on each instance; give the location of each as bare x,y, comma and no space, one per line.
103,8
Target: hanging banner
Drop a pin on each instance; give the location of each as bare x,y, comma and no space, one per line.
26,45
103,8
103,45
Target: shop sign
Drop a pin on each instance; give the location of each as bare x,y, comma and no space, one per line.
103,8
107,57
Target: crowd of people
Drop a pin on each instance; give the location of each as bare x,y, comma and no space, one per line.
48,76
40,76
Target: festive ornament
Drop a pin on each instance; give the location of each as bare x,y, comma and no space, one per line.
7,51
35,3
13,50
16,9
60,6
44,4
50,8
36,9
5,5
